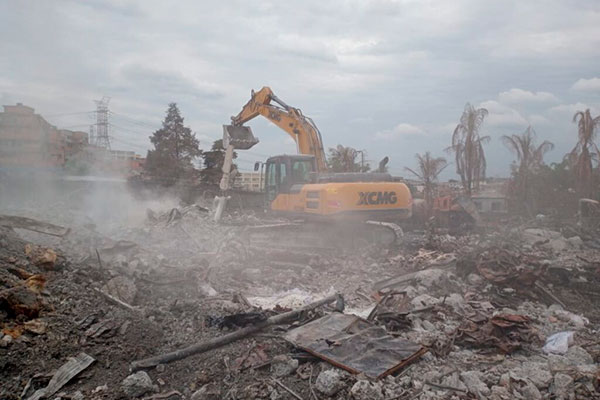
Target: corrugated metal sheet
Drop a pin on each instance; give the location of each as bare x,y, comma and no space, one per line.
355,345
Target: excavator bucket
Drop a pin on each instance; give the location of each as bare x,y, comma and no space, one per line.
240,137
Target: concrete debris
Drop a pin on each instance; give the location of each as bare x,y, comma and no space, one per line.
329,382
442,316
526,390
283,365
474,384
535,372
366,390
578,356
138,384
561,385
121,288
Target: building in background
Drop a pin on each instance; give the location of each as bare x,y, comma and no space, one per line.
29,142
249,181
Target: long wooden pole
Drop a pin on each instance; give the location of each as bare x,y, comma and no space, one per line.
230,337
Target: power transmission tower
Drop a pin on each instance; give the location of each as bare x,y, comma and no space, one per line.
102,126
92,137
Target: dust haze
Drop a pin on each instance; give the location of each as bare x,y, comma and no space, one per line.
276,212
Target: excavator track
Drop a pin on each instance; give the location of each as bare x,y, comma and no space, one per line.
342,236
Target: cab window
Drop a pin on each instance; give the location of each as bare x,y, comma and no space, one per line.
301,170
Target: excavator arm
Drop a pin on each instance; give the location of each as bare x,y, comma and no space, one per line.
301,128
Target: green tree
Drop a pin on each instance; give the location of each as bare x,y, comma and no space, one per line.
345,159
213,163
530,158
585,152
553,189
428,170
467,146
175,148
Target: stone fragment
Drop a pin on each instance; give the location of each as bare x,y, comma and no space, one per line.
365,390
456,301
329,382
138,384
283,365
558,245
577,355
561,385
77,396
424,300
529,391
576,242
474,384
474,279
536,372
453,380
500,393
429,277
122,288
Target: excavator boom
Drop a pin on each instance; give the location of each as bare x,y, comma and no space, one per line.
301,128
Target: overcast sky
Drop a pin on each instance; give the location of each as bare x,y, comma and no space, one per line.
389,77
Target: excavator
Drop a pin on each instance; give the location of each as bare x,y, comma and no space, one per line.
366,205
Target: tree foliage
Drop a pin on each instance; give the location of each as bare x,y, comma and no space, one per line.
585,153
552,189
213,163
345,159
530,158
428,170
175,148
467,147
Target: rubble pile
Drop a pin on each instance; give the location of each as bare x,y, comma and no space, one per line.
180,307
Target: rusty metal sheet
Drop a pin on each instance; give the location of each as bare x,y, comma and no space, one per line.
355,345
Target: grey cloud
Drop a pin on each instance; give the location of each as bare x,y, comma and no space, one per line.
359,67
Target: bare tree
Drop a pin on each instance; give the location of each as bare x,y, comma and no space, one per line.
467,146
585,152
529,159
428,170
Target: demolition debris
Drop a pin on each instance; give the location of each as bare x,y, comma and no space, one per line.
182,307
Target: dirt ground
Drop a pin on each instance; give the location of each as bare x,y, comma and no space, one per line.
483,305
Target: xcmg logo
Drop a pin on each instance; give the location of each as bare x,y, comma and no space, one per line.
373,198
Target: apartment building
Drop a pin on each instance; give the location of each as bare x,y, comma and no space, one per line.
27,140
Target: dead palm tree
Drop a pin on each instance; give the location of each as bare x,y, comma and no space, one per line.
467,146
585,152
428,170
343,159
529,159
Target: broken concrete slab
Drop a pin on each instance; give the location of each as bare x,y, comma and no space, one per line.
536,372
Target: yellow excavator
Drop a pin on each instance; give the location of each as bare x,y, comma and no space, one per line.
300,186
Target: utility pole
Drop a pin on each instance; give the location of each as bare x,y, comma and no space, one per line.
102,125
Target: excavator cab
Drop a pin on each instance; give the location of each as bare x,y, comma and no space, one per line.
287,173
